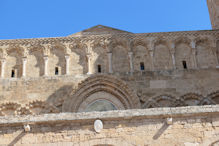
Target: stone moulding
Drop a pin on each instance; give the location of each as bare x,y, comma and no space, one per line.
98,83
156,113
36,41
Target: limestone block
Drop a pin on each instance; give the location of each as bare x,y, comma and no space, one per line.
156,84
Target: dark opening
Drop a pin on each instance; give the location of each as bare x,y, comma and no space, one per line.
12,73
56,70
184,64
142,65
99,68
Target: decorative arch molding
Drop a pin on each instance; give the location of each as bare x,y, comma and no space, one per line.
107,142
214,97
162,101
205,39
192,99
21,52
161,41
119,42
102,83
41,107
9,108
184,40
139,42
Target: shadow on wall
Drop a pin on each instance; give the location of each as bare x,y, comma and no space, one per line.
160,131
19,137
58,97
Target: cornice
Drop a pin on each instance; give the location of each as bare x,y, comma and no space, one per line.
166,35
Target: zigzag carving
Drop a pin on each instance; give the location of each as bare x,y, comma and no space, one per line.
165,100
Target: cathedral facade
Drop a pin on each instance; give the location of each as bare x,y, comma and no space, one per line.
143,89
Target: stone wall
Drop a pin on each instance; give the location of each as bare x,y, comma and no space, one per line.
120,54
68,74
189,126
213,6
152,89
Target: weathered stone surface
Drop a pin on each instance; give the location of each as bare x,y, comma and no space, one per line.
191,126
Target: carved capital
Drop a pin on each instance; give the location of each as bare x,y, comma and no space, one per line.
151,44
151,53
46,58
130,53
193,44
46,50
67,57
3,60
24,59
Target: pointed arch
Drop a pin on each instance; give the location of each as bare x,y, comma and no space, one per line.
99,56
99,85
141,54
120,61
57,58
162,55
183,52
14,61
78,52
204,50
35,63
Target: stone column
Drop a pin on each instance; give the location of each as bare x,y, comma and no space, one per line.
193,46
152,59
46,59
67,59
151,51
3,61
24,66
214,48
110,62
173,55
131,61
89,64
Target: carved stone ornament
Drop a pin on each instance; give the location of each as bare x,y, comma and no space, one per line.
98,126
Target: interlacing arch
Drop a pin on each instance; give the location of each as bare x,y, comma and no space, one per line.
102,83
191,99
9,108
119,42
161,101
161,41
214,97
139,42
184,40
40,107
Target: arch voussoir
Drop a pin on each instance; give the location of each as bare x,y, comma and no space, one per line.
102,83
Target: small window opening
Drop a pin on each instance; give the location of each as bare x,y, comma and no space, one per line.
99,68
142,65
13,73
184,64
56,71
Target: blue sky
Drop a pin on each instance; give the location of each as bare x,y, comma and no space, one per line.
53,18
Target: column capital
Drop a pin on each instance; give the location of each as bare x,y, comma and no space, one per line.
151,53
67,57
45,58
88,55
24,59
130,53
193,44
173,45
3,60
